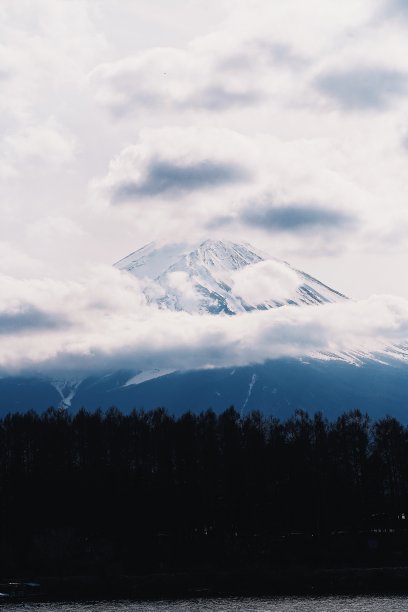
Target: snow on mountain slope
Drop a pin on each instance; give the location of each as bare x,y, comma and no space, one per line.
66,388
230,279
142,377
222,277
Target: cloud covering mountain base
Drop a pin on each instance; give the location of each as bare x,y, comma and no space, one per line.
104,321
193,327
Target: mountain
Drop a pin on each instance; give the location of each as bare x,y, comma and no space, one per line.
225,279
222,277
277,387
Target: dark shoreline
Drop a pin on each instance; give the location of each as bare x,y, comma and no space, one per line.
255,583
146,506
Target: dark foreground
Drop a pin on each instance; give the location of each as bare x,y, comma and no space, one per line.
147,506
183,585
370,603
257,582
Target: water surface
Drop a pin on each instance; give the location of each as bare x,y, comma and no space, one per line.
279,604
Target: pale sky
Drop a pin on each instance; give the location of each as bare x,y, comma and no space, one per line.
282,124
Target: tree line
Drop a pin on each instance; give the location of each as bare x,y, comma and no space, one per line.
148,491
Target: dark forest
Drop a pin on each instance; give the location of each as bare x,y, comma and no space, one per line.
112,494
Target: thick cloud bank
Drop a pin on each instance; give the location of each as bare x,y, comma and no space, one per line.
104,322
283,124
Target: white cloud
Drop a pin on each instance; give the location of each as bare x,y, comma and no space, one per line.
15,262
104,321
188,296
39,144
250,119
215,179
54,227
264,280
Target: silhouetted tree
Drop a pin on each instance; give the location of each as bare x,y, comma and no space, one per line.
149,491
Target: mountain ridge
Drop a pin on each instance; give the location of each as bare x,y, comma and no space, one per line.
216,276
223,278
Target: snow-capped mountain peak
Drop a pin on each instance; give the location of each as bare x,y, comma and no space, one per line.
220,276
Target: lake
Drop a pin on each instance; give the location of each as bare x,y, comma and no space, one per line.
279,604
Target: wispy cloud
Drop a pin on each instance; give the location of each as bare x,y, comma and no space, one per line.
165,177
363,88
218,98
170,79
295,218
29,319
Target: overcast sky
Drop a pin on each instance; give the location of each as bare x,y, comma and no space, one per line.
283,124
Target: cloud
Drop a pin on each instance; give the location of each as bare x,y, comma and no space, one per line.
163,177
295,218
399,7
177,161
264,280
247,62
45,146
45,52
188,297
169,78
39,143
262,52
217,98
363,88
198,130
54,227
284,54
107,324
219,180
15,262
29,319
